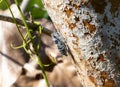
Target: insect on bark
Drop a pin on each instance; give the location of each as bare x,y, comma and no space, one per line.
60,42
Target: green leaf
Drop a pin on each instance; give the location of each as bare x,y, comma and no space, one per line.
37,13
37,9
3,5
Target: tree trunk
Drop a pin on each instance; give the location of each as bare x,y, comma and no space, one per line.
91,29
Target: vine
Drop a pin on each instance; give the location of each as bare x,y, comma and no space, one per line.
28,40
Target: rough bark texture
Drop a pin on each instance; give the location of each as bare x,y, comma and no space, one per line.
92,32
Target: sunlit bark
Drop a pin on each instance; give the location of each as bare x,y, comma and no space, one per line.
92,32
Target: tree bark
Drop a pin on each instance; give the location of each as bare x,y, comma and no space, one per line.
91,29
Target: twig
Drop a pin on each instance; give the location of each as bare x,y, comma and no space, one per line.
19,22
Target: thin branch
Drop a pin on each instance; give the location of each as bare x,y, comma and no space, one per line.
19,22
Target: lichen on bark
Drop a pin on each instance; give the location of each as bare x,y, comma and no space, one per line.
92,32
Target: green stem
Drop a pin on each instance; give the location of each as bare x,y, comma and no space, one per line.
23,19
36,51
14,20
31,39
43,71
39,59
